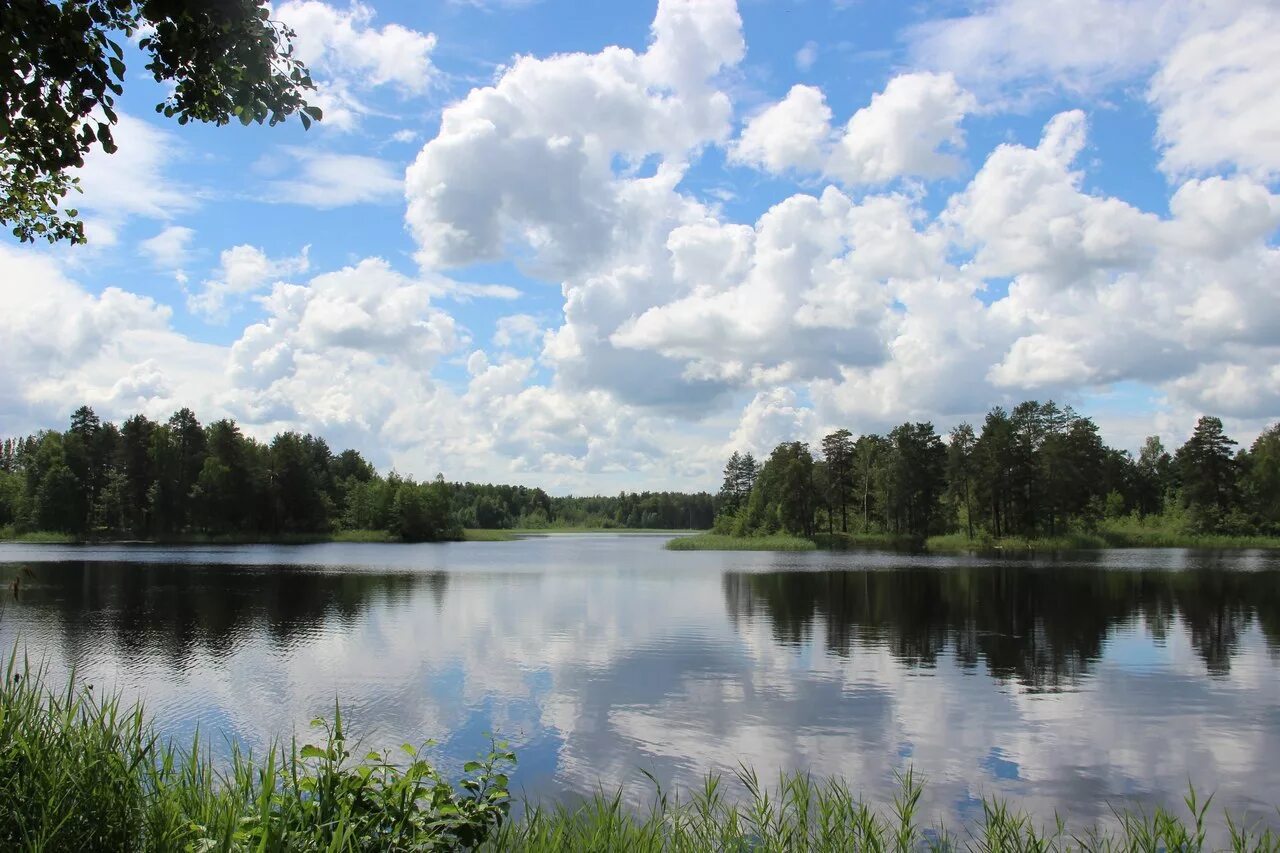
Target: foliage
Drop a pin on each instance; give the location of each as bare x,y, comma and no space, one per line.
837,540
9,533
472,534
181,481
501,507
740,474
837,454
721,542
1208,474
960,472
915,479
1260,479
420,512
62,65
1036,476
83,772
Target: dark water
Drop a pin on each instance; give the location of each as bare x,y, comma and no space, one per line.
1069,684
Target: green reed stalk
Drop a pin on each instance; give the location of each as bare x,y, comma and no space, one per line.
81,771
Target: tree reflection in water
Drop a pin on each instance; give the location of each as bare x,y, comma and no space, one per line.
180,610
1043,626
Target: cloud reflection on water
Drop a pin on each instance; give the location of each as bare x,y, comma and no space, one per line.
1067,684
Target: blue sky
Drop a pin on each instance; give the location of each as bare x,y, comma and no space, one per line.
599,246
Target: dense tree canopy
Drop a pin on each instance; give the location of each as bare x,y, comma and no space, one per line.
62,65
149,479
1037,470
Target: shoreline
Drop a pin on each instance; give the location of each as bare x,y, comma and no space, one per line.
699,540
958,543
41,537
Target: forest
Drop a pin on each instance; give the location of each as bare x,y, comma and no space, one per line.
150,480
1038,470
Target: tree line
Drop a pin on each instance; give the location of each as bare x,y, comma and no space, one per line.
1037,470
149,479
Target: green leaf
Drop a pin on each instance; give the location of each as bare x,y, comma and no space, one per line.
310,751
117,67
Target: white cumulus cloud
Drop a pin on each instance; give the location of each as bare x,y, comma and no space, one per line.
242,270
1218,97
346,44
911,129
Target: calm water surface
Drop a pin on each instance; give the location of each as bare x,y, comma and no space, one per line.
1070,683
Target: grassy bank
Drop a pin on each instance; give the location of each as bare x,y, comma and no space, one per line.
719,542
8,534
1068,542
53,537
862,540
83,772
622,531
1116,535
476,534
1100,539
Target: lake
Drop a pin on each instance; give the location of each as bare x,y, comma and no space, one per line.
1070,683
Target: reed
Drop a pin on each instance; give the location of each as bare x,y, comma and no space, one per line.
799,813
1102,538
839,541
720,542
477,534
9,533
79,771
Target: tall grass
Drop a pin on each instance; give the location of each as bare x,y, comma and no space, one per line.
362,535
478,534
612,530
1172,531
9,533
80,771
1073,541
722,542
1108,535
800,813
838,540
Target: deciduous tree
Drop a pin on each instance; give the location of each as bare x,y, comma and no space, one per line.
62,66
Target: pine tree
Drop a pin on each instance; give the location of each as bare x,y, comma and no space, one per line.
1208,473
837,451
